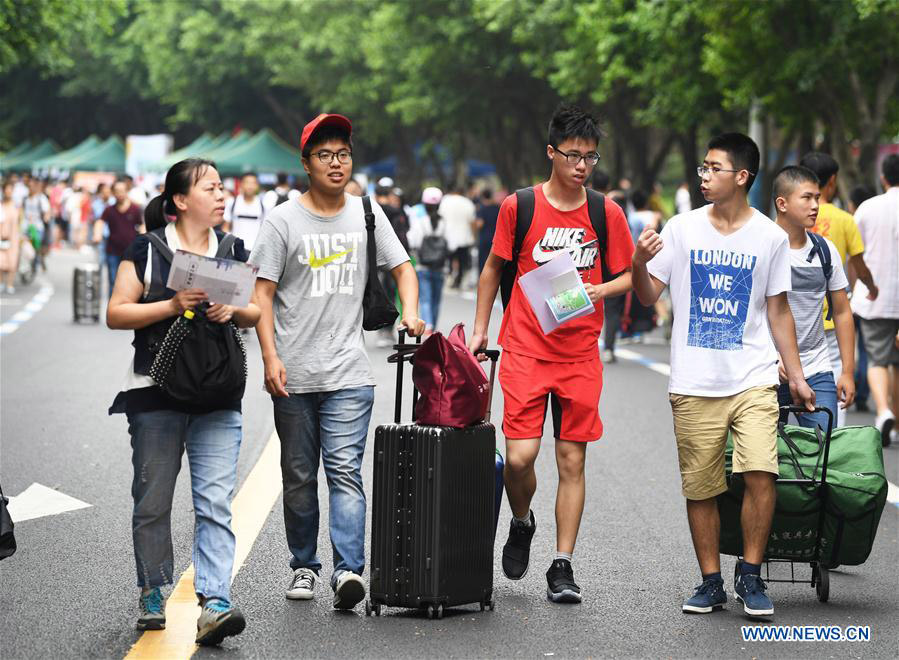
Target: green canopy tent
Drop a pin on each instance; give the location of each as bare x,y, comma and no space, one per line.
264,152
107,157
15,151
25,160
60,161
220,151
202,143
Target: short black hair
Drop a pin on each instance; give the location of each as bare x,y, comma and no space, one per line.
861,193
639,199
382,191
570,121
791,176
282,178
742,151
246,174
890,169
824,165
486,194
601,180
324,134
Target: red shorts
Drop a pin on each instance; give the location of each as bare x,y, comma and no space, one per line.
572,388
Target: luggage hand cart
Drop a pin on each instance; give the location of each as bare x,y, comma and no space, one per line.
820,578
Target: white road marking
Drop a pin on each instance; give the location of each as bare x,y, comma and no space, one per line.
33,307
38,501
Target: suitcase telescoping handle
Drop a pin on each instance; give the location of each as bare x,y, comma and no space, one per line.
404,353
803,409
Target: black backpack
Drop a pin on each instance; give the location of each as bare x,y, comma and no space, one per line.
434,250
596,209
198,361
819,246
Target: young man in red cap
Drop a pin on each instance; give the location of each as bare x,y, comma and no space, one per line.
312,263
562,366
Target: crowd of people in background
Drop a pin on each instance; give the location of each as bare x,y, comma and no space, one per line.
448,233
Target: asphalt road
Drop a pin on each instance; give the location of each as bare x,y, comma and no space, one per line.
69,591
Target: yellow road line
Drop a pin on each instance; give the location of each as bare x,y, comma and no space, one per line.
249,512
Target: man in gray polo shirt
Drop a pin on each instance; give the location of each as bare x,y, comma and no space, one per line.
311,254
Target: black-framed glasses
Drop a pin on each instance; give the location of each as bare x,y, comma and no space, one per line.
702,170
573,157
343,156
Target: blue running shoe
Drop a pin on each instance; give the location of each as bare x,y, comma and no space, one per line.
152,610
218,619
750,590
708,597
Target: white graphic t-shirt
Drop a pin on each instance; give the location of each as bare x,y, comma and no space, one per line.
320,266
245,218
720,341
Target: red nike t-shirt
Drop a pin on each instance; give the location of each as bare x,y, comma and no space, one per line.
553,230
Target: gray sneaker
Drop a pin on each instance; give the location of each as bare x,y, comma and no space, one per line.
349,590
152,610
218,619
302,587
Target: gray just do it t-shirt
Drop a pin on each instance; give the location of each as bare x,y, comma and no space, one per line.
321,268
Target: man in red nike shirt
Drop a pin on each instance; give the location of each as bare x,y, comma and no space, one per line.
562,367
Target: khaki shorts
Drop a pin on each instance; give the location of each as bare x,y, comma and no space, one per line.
701,424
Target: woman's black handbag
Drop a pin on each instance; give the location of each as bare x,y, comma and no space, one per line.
201,362
377,309
7,538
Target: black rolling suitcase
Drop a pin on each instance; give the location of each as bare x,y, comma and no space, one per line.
86,292
432,523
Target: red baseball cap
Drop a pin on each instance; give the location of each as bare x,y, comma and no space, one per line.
324,120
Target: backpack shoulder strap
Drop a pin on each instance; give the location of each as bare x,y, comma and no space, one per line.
596,208
524,216
819,245
157,241
225,245
369,214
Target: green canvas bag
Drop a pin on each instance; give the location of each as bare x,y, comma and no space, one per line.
853,497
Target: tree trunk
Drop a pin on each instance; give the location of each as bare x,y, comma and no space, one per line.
690,155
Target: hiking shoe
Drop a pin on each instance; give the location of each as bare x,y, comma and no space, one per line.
708,597
885,424
152,610
218,619
561,587
349,590
517,551
302,586
750,590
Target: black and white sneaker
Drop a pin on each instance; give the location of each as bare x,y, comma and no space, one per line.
517,551
302,585
349,590
561,587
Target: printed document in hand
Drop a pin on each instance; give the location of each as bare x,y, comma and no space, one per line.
225,281
556,292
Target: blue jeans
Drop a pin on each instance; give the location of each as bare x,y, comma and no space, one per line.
430,291
158,440
825,397
330,427
112,267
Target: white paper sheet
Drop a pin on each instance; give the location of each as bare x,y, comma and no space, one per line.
225,281
540,284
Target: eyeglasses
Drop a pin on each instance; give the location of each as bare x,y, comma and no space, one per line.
574,157
344,156
702,170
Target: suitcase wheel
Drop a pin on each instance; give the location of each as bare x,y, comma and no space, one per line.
368,608
821,578
372,607
435,612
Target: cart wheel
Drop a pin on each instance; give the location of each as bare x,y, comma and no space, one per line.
377,609
368,608
431,611
815,573
483,606
823,586
440,611
491,604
